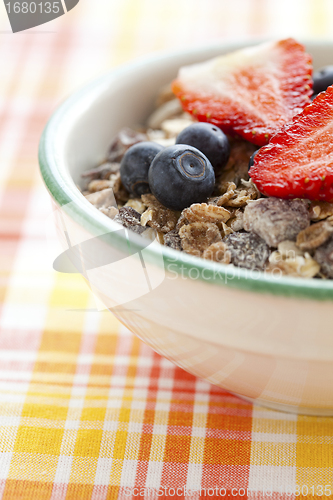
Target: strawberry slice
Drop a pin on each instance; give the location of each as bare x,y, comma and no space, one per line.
298,162
251,92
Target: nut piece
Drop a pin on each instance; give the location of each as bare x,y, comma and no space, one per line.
301,266
236,222
276,220
137,204
227,190
224,229
201,212
130,219
247,250
198,236
110,212
172,240
289,250
99,185
101,199
157,216
314,236
320,210
243,195
324,256
218,252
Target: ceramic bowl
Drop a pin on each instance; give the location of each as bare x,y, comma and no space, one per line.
267,339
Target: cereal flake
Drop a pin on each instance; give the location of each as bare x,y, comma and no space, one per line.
314,236
218,252
198,236
157,216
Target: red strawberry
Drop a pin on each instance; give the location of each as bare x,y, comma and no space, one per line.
251,92
298,162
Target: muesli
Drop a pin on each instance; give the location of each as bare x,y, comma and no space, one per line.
235,165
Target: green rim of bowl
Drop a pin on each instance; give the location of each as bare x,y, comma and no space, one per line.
64,192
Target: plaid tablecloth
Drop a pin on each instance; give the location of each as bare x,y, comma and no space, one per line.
87,411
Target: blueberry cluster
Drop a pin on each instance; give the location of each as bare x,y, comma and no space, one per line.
181,174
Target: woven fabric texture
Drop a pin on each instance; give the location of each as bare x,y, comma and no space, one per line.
87,411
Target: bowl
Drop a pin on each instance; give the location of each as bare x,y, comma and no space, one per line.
266,339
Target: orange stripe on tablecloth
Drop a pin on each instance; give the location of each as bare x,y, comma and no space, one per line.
226,462
79,491
27,490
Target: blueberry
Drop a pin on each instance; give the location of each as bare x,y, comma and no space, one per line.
322,79
135,165
251,161
181,175
210,140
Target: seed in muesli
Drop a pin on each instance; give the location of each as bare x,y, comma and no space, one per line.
181,175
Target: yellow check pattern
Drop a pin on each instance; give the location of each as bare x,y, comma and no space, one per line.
86,410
